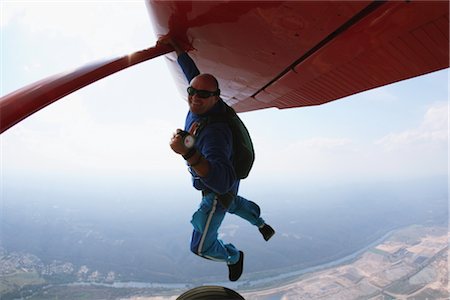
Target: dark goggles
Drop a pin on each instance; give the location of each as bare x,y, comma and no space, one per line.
202,93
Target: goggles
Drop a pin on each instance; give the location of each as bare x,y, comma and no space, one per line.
202,93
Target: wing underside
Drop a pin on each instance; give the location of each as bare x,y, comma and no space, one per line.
294,53
279,54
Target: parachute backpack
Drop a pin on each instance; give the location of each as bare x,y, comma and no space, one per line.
243,151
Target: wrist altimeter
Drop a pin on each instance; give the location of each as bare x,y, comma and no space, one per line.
188,140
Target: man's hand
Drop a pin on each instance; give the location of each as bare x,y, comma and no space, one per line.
194,159
167,40
177,144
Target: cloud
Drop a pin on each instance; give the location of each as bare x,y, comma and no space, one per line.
416,152
310,158
432,132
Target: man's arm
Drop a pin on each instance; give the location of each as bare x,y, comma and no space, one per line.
212,162
186,63
188,66
217,150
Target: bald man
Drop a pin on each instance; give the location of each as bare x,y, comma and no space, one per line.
211,166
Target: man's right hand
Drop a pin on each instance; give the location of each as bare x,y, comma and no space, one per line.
177,144
196,161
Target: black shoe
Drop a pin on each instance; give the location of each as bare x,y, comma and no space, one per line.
235,270
266,231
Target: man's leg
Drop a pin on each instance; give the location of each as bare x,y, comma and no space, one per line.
251,212
247,210
206,222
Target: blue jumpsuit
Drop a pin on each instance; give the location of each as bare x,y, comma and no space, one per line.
215,143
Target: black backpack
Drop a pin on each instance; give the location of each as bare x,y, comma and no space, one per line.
243,151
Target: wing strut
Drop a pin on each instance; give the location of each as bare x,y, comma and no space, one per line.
22,103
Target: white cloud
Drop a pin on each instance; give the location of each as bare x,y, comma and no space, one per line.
436,119
416,152
312,158
432,132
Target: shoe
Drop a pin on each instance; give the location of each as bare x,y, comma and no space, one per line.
235,270
266,231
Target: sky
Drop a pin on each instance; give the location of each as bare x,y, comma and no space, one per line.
118,129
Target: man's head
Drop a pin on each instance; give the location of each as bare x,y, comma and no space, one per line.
200,101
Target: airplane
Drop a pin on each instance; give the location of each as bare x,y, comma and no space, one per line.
281,54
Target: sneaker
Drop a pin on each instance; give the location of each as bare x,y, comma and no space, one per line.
266,231
235,270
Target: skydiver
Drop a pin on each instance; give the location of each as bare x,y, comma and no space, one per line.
212,170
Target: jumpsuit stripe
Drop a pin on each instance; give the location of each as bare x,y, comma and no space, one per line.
208,222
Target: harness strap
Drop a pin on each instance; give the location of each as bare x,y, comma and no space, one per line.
196,127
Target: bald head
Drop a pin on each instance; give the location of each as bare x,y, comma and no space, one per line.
207,80
204,82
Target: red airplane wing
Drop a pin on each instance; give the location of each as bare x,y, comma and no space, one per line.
277,53
294,53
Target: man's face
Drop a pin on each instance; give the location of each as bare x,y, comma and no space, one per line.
199,105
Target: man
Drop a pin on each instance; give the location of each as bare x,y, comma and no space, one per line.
210,163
